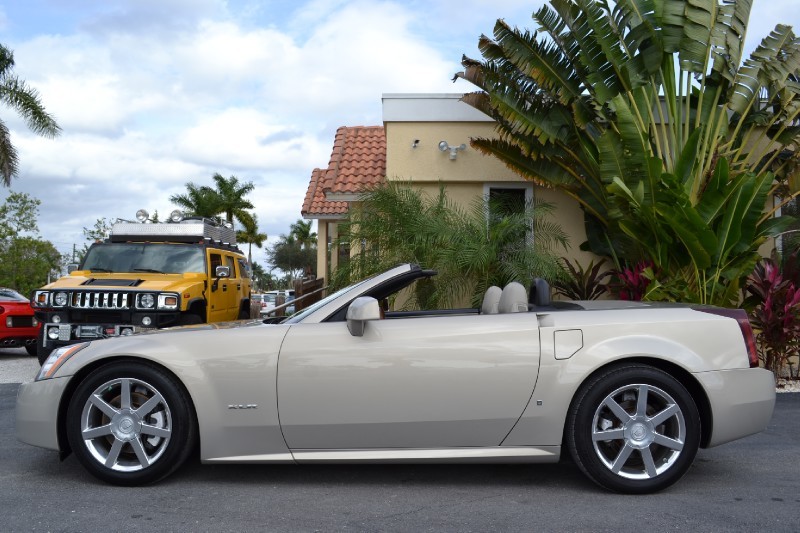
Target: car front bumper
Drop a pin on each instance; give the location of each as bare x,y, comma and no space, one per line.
742,401
37,412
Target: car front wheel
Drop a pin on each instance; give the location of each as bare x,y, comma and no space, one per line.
130,424
633,429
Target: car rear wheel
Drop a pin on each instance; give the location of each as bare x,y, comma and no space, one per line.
633,429
32,350
130,424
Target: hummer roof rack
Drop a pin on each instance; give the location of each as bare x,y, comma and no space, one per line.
190,230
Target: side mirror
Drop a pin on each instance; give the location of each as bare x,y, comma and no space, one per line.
361,311
72,267
222,272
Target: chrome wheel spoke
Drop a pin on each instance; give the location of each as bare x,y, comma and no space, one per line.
93,433
106,408
155,431
125,390
617,409
649,463
641,403
621,459
665,415
148,406
113,453
141,455
667,442
611,434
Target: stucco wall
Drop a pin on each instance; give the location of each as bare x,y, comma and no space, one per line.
423,164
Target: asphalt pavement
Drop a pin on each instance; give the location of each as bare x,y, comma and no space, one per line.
748,485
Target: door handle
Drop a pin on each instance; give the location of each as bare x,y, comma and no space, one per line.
225,287
239,287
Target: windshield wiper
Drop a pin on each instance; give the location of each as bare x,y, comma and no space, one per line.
151,270
99,270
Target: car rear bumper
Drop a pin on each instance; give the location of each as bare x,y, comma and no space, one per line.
742,401
37,412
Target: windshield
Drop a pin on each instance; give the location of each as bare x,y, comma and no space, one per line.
141,257
10,295
310,309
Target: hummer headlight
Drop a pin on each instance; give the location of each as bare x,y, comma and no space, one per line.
146,301
60,299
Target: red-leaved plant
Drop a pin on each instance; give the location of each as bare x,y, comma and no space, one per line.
773,295
630,282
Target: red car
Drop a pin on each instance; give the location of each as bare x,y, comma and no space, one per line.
18,327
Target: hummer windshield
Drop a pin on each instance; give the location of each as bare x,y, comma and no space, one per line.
140,257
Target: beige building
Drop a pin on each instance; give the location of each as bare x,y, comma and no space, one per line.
425,140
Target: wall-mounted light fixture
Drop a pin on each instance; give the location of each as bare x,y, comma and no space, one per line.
443,146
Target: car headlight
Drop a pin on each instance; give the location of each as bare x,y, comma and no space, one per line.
57,358
146,301
60,299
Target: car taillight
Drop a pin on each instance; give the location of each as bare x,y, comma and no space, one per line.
740,315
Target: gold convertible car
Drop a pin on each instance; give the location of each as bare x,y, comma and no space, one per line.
630,390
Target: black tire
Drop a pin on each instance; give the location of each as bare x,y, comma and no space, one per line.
134,445
42,353
32,350
244,315
650,446
189,319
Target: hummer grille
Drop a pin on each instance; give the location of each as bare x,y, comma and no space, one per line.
102,300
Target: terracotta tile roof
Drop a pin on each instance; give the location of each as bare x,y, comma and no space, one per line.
358,162
315,205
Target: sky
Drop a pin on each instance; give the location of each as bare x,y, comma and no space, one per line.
153,94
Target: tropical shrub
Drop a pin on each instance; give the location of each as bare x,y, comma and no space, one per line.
773,295
472,249
581,283
644,112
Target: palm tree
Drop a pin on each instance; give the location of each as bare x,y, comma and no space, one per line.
301,232
233,203
471,249
643,112
198,201
251,236
24,100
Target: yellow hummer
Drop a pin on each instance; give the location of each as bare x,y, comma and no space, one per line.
146,276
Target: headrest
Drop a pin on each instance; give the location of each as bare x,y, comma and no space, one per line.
491,300
514,298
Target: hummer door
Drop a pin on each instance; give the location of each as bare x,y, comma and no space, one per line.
222,291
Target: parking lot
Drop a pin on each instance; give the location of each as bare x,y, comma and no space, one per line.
748,485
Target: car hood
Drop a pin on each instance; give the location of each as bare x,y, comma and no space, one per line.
125,281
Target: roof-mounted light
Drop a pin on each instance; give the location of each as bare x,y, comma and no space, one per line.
142,215
176,216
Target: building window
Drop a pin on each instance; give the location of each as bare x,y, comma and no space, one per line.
504,199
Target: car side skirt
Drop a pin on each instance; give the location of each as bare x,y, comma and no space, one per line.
494,454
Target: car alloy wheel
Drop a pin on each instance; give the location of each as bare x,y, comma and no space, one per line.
638,431
130,424
633,429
